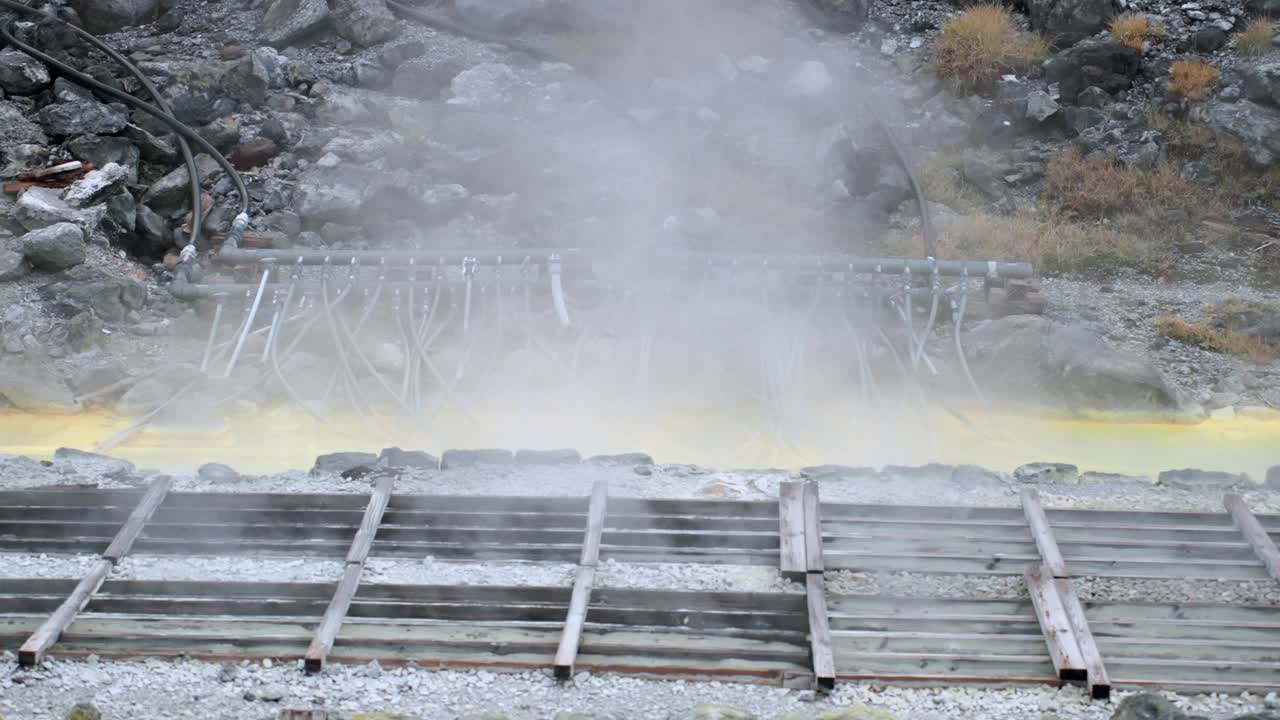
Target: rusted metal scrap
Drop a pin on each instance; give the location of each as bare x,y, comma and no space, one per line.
55,176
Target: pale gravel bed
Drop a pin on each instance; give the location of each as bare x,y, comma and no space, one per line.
46,565
190,690
923,585
1182,590
429,571
228,569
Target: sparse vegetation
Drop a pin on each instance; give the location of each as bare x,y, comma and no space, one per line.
1216,339
1134,30
1192,80
1103,186
941,182
982,43
1256,37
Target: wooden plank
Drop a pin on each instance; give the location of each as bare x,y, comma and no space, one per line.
340,603
1064,649
595,524
33,650
1254,533
791,530
1043,533
824,666
132,527
812,528
567,653
576,618
334,614
1099,680
372,519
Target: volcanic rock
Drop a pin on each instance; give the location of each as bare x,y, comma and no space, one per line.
54,248
97,186
395,457
1193,479
21,74
289,21
339,463
1065,22
108,16
567,456
1047,473
1108,66
82,116
1256,126
364,22
1262,84
102,150
87,463
841,16
470,458
32,385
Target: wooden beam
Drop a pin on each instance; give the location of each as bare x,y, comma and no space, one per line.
1064,649
132,528
791,539
34,649
812,529
580,600
1099,680
327,632
1254,533
824,666
1043,533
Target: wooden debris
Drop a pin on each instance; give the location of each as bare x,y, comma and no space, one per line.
571,637
56,176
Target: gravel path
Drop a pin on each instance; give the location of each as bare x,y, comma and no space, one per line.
45,565
186,690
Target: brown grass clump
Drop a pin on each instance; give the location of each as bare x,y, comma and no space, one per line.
1213,339
982,43
1135,29
1255,39
941,182
1102,186
1192,79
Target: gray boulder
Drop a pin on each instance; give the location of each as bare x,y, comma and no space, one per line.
1031,358
83,116
565,456
841,16
1262,84
108,16
338,463
1268,8
332,195
1147,706
109,298
144,396
1047,473
97,185
18,129
39,207
1109,66
54,248
1040,106
13,265
472,458
395,457
153,236
1256,126
364,22
33,385
289,21
217,473
21,74
171,194
1066,22
1193,479
91,464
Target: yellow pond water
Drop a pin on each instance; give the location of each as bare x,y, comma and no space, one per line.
264,442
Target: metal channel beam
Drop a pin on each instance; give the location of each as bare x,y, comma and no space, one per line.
331,623
34,649
1098,679
824,665
1043,534
571,637
1254,533
1059,635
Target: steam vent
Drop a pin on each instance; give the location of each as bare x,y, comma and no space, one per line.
639,360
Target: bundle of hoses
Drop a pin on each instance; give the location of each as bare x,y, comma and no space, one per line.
160,110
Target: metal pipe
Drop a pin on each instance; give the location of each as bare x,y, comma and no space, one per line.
213,332
557,292
248,324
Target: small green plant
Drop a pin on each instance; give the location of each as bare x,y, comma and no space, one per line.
1256,37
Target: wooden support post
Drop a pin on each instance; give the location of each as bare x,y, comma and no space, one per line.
1254,533
1043,534
1099,680
34,649
824,665
812,529
1064,649
791,530
580,600
340,603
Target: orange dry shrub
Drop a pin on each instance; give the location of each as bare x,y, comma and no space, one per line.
1192,79
982,43
1134,30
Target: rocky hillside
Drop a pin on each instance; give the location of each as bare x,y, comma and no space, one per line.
1131,150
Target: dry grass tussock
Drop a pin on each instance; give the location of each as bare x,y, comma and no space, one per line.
1053,244
941,182
1239,184
1256,37
1135,29
1103,186
1215,339
982,43
1192,79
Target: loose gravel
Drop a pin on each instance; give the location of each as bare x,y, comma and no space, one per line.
186,690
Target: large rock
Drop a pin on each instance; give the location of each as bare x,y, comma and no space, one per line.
1262,83
21,74
54,248
289,21
838,15
109,298
101,150
97,186
13,265
171,194
364,22
1269,8
1066,22
1256,126
32,385
1147,706
201,93
332,195
108,16
91,464
338,463
64,119
18,129
1106,65
1032,358
41,207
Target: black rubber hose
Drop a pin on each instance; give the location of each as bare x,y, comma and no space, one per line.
193,173
456,28
168,119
